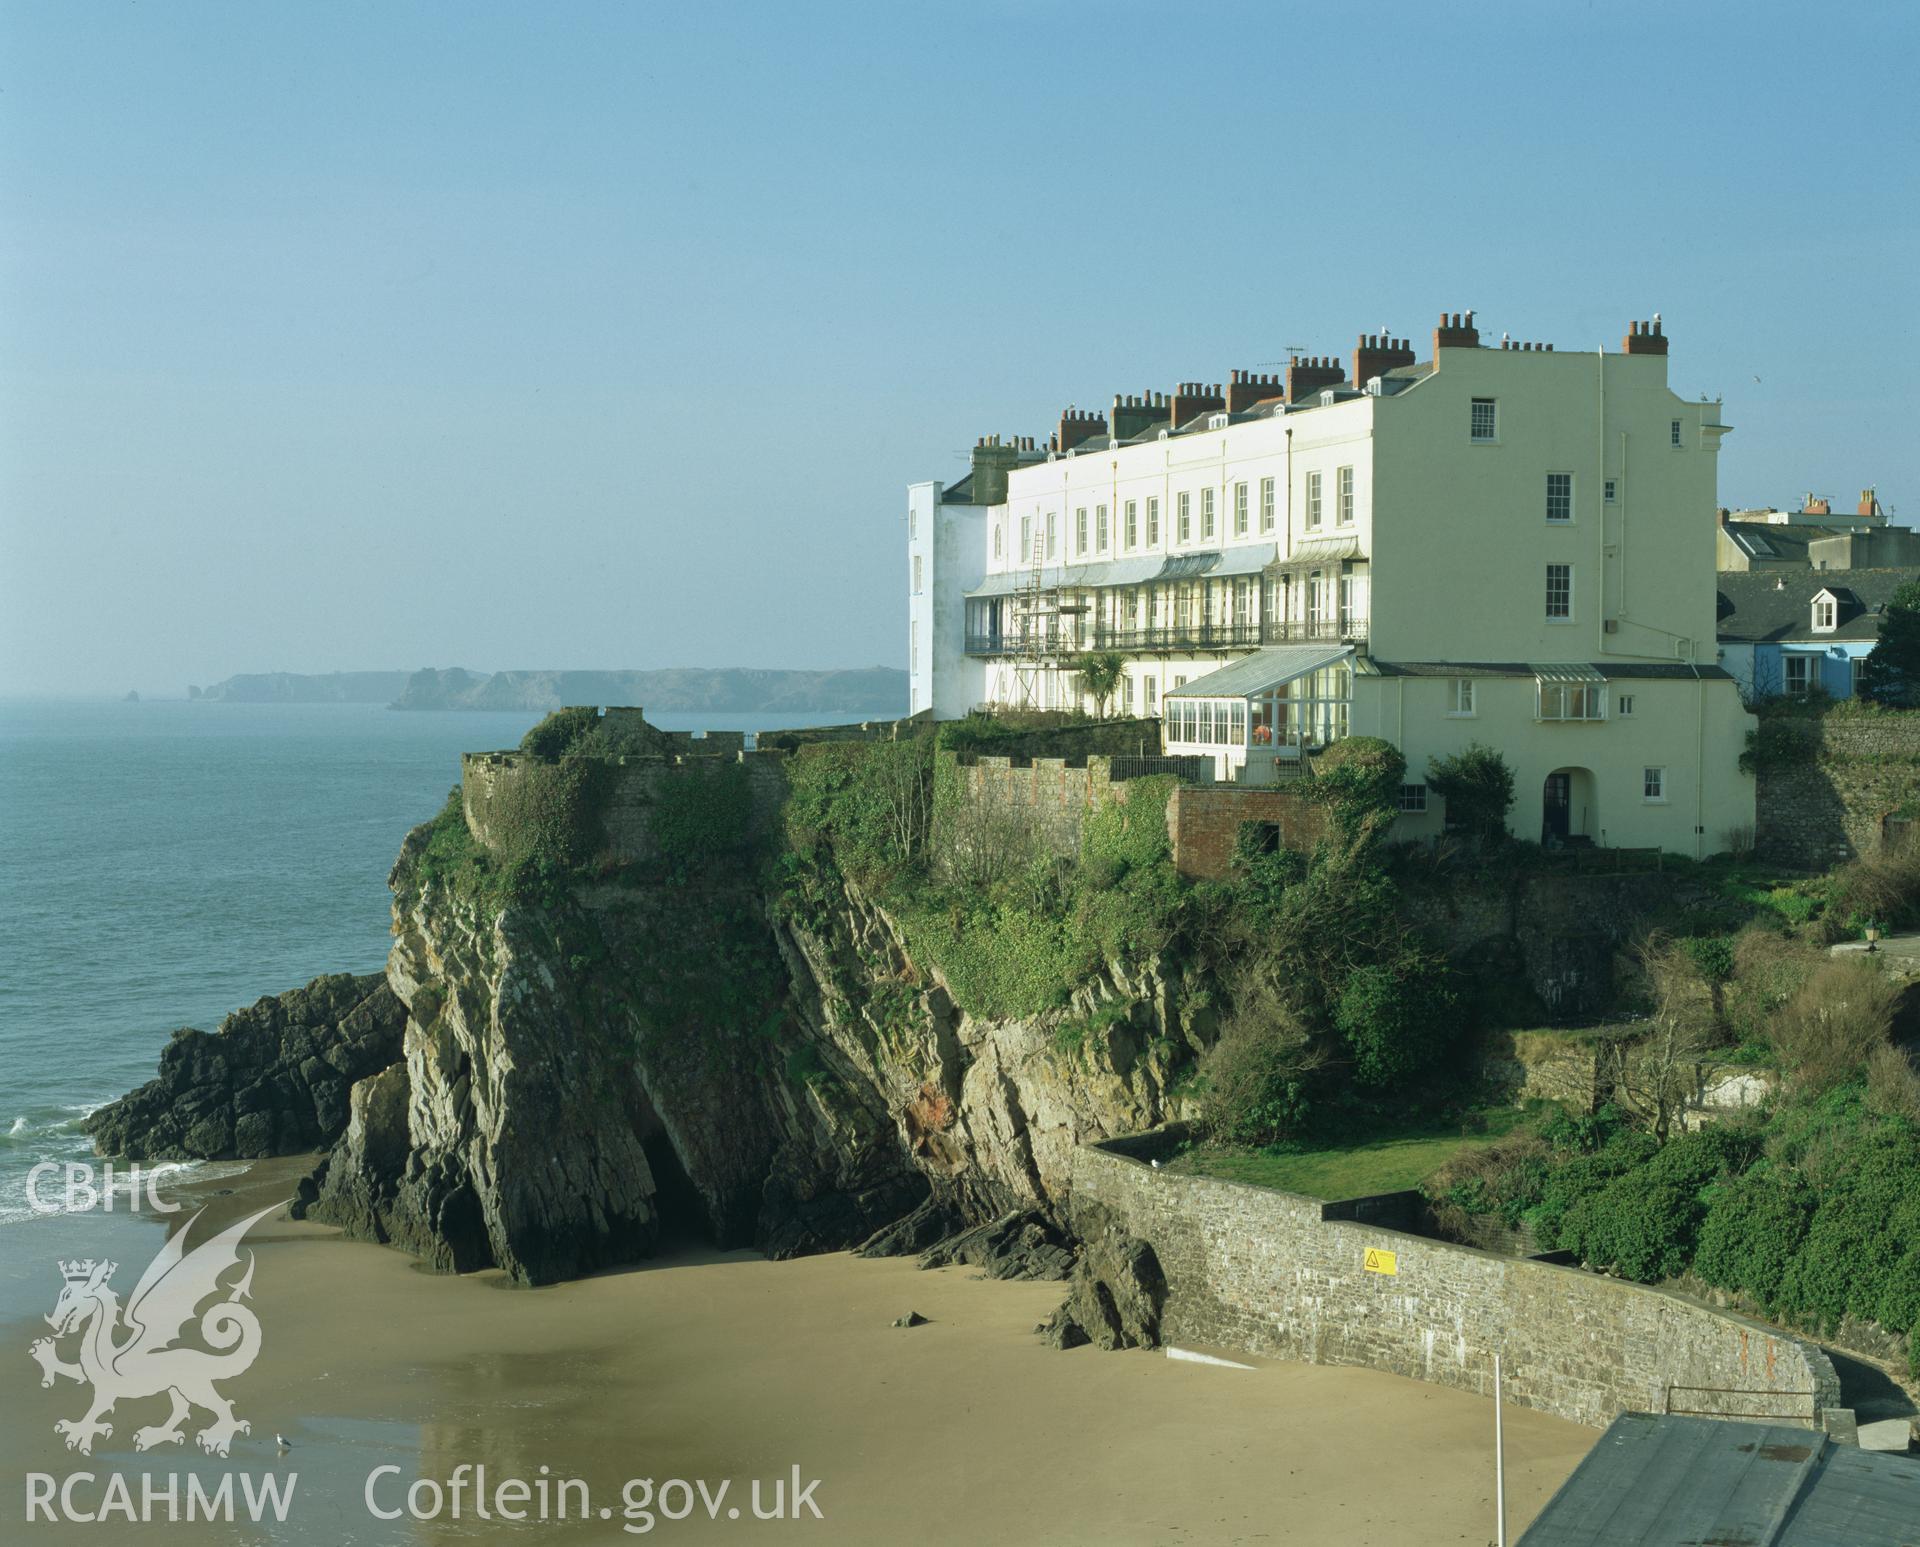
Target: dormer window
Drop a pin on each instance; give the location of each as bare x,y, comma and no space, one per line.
1826,613
1217,421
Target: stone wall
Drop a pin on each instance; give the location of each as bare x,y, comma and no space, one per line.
493,782
1831,783
1047,796
1269,1272
1204,822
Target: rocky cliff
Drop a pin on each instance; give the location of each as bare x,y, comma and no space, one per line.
273,1080
589,1068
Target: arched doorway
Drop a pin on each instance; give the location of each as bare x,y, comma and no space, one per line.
1567,813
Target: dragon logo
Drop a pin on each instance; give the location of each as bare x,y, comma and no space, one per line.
148,1359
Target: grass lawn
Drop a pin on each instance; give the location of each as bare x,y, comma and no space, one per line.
1389,1163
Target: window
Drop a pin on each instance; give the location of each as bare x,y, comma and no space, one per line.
1080,530
1824,611
1484,420
1460,704
1053,533
1313,499
913,523
1345,485
997,535
1266,504
913,651
1559,496
1239,510
1206,512
1623,706
1026,538
1413,797
1126,694
1100,533
1183,531
1611,490
1573,701
1797,672
916,574
1676,432
1133,523
1153,523
1653,784
1854,678
1559,593
1149,689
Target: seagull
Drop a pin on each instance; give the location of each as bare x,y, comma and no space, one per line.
281,1440
1156,1165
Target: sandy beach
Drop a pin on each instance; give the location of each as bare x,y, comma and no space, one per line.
711,1367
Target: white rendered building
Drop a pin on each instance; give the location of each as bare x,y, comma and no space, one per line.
1512,545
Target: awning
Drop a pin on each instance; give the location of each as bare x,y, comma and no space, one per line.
1212,564
1321,550
1262,671
1568,671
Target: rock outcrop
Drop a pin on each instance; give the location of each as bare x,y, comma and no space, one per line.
1117,1291
274,1080
621,1058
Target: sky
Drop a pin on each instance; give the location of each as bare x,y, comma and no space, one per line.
377,336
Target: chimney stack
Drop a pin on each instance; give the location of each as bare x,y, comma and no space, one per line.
1076,427
1869,503
1244,389
1816,505
992,460
1644,338
1456,331
1136,413
1313,374
1193,397
1376,354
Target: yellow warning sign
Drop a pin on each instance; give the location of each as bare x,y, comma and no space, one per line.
1378,1261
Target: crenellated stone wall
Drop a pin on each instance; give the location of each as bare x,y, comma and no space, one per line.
1277,1274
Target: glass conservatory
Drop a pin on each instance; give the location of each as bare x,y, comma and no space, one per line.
1262,712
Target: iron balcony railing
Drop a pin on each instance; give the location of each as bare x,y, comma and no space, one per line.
1171,637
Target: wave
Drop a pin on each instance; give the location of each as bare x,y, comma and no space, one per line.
16,1208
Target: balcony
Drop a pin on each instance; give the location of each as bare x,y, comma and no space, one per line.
1173,638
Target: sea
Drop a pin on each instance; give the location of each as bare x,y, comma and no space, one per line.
164,862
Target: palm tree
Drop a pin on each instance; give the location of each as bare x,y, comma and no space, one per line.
1100,674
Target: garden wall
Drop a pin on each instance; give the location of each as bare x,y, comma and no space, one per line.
1829,784
1271,1273
1204,822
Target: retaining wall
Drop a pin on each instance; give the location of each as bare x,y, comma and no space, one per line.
1204,822
1835,802
1268,1272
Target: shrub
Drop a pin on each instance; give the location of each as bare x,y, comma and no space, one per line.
1394,1019
1477,786
1827,1031
1359,779
559,731
1754,1224
1257,1080
1879,888
1503,1179
1893,1086
1642,1223
1891,672
1711,955
1738,840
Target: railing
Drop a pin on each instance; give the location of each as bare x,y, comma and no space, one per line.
1172,637
1189,769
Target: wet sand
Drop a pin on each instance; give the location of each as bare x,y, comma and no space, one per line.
711,1366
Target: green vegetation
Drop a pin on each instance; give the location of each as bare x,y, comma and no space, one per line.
1391,1159
1100,674
1891,673
1477,786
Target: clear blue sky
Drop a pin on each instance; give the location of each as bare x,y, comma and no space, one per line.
345,336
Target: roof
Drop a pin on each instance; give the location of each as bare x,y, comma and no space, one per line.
1758,606
1677,1482
1266,668
1246,559
1759,541
1323,550
1629,671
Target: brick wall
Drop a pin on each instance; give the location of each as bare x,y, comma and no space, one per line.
1204,822
1831,804
1265,1271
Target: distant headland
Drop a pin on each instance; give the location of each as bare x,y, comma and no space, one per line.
725,690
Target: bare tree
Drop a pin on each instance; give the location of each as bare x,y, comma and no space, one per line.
1662,1072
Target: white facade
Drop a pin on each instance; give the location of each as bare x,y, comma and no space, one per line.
946,557
1495,511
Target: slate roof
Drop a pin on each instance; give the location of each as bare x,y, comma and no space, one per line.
1658,1481
1759,606
1266,668
1624,671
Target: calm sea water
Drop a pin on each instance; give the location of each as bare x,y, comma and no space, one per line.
163,863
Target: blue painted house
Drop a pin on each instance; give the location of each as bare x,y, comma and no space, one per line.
1794,631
